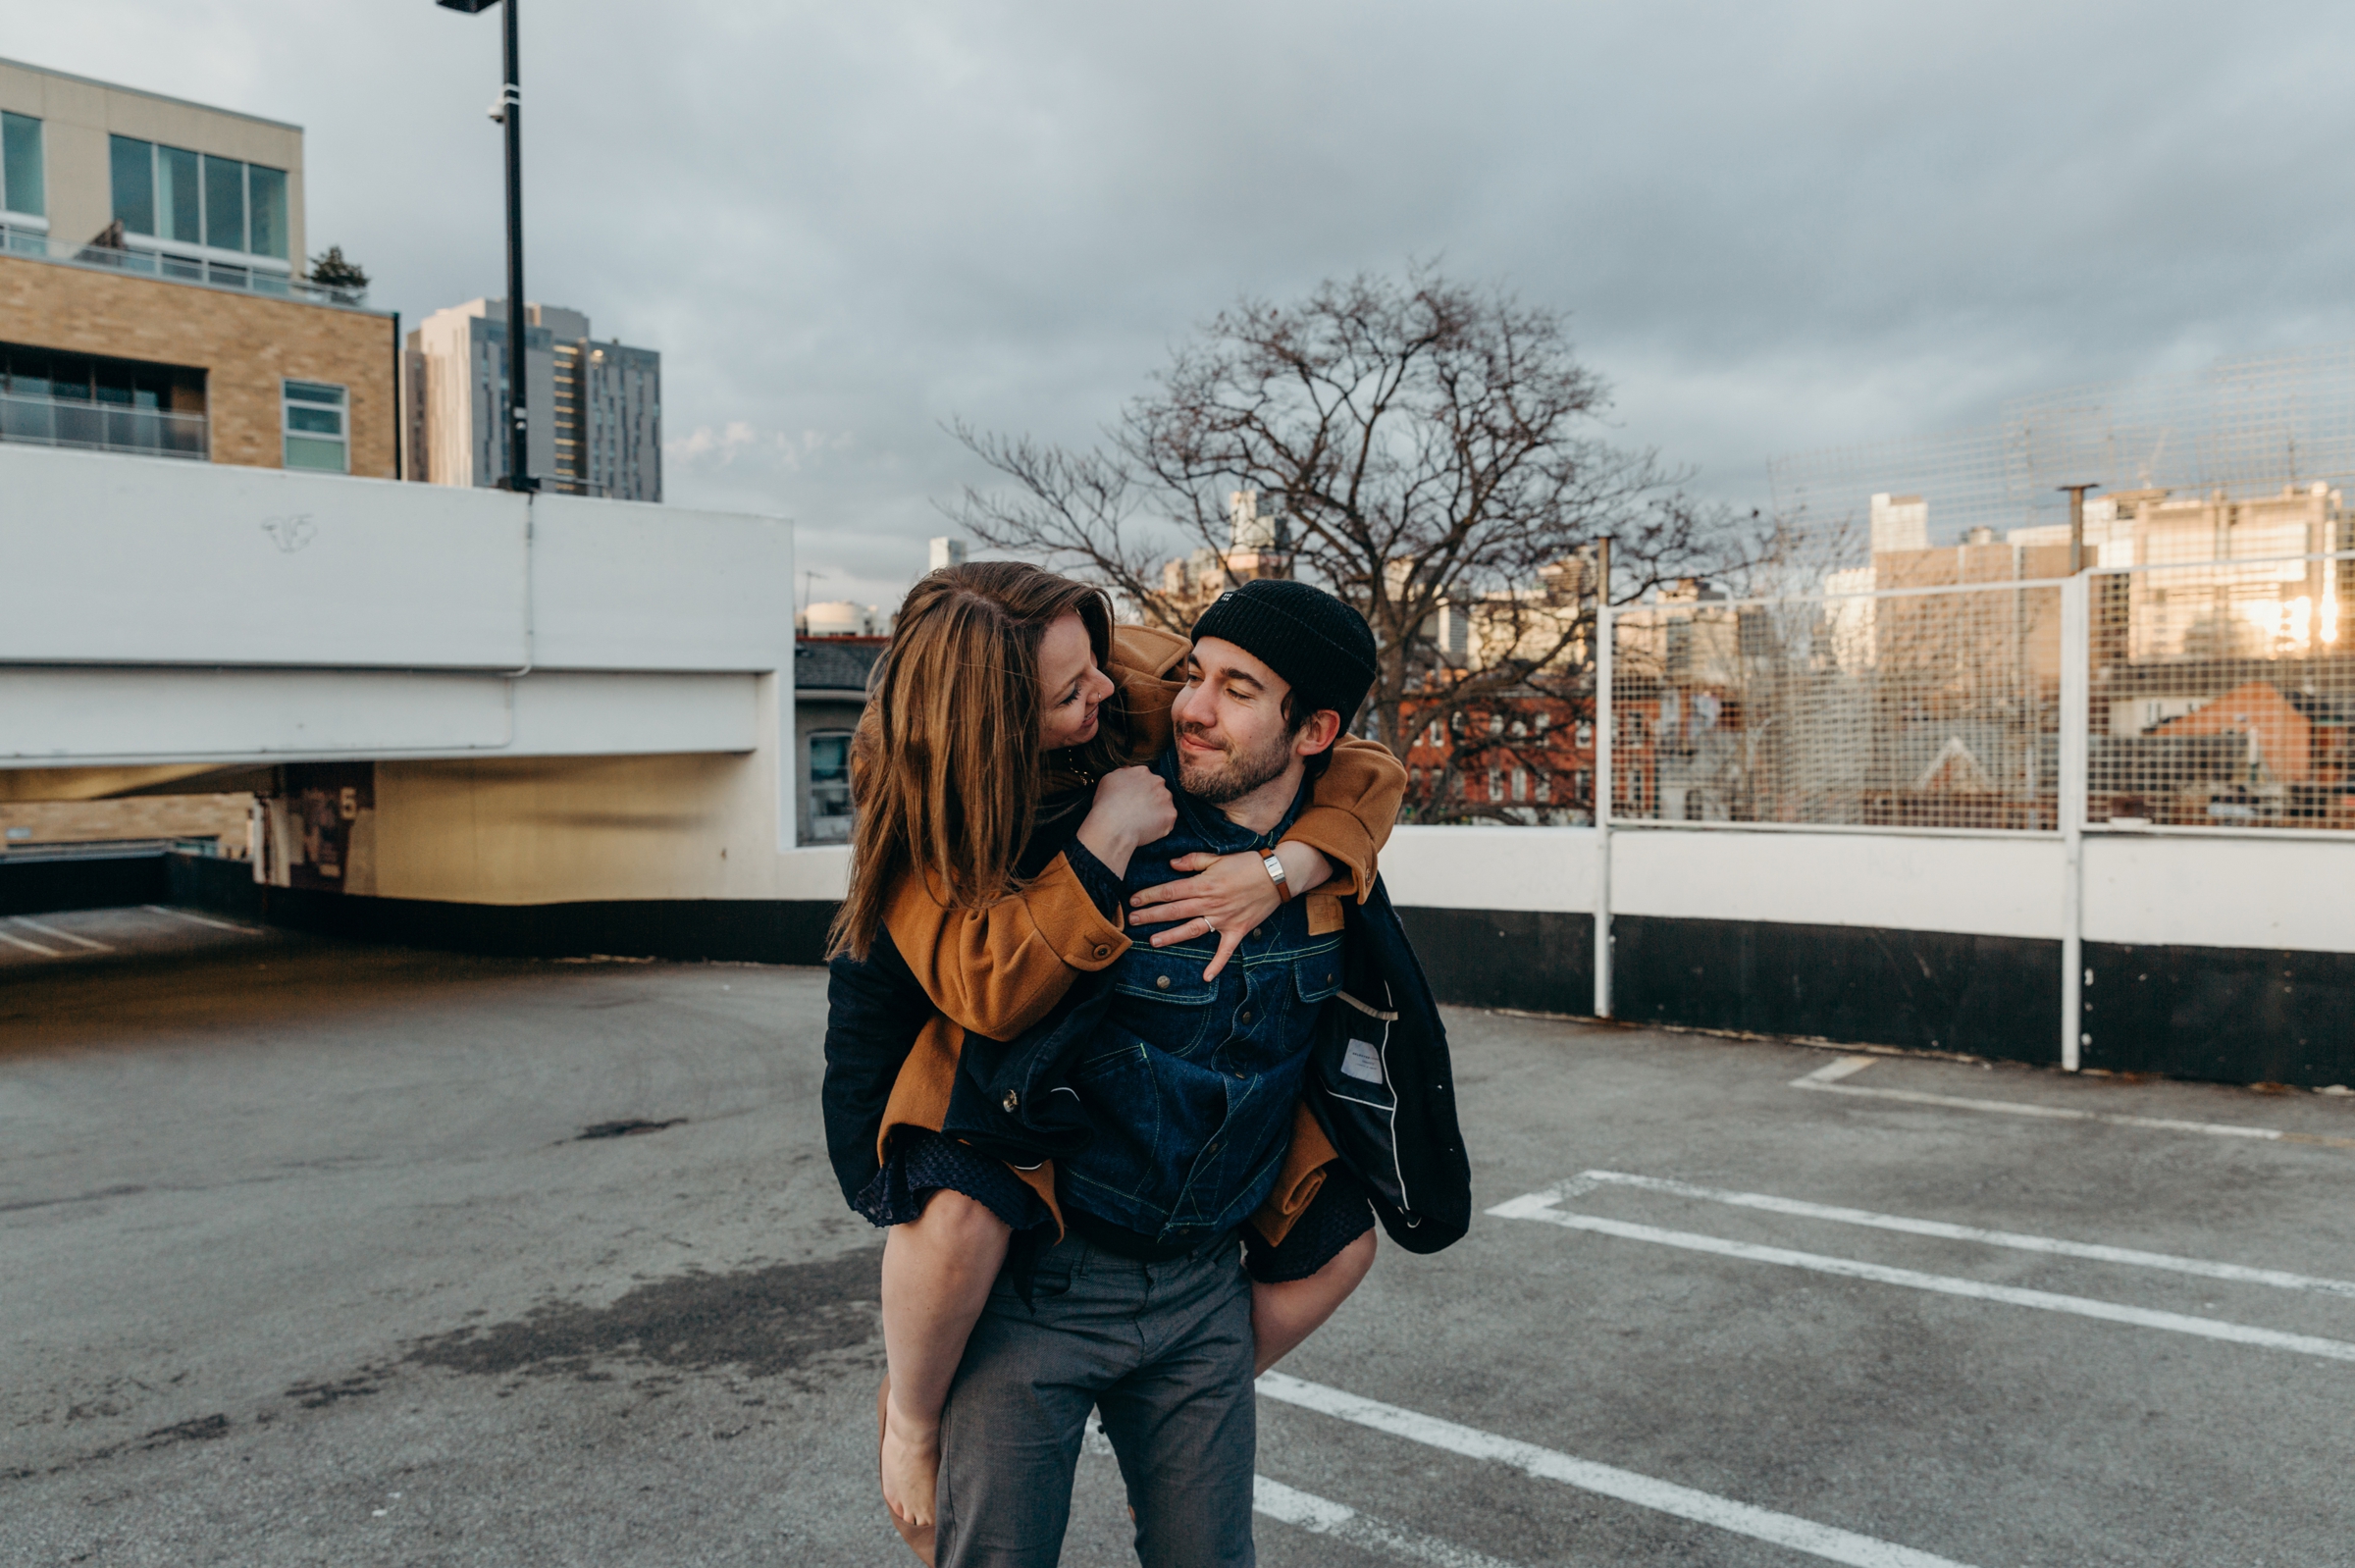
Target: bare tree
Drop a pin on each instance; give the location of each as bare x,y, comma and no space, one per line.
1429,444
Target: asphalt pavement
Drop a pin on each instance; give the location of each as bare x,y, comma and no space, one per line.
324,1253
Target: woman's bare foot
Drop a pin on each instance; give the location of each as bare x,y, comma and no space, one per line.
910,1476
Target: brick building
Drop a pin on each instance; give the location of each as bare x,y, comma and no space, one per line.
151,292
152,303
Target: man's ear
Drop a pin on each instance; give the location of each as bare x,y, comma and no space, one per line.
1321,730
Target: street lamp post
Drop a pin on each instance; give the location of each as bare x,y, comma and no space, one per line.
509,112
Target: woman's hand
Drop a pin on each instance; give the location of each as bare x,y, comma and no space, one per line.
1132,806
1228,893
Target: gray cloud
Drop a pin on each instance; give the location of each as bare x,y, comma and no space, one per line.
1776,228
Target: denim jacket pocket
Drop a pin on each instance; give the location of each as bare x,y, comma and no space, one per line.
1318,974
1172,974
1160,994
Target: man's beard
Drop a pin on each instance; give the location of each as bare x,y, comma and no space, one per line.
1236,774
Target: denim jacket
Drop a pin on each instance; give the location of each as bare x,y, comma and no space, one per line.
1191,1084
1378,1076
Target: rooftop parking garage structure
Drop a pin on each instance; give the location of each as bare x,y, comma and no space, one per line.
468,717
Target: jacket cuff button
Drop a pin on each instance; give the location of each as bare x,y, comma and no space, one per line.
1011,1101
1103,951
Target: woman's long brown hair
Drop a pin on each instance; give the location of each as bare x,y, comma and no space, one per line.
946,769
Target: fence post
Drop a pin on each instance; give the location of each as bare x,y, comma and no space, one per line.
1604,728
2076,698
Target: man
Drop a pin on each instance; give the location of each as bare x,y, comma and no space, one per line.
1189,1087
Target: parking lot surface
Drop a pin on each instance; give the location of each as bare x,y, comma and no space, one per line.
320,1253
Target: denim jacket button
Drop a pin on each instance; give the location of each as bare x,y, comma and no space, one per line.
1246,1015
1012,1100
1161,981
1259,934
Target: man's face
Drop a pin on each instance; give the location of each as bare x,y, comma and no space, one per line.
1232,735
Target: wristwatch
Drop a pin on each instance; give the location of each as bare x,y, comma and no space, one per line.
1276,875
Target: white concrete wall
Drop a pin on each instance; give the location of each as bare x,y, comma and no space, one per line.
149,560
564,699
2255,892
1999,887
2139,888
1492,867
163,610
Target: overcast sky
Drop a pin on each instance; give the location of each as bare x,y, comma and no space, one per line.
1776,226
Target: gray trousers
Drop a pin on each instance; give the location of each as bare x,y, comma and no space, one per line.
1164,1350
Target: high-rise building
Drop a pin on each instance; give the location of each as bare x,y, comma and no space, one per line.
153,295
596,408
1259,544
1900,522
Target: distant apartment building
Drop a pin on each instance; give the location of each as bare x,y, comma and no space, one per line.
1259,544
151,291
595,409
830,672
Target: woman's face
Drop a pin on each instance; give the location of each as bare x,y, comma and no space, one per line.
1072,688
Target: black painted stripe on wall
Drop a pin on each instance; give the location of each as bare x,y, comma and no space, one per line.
2226,1015
737,930
82,882
1991,996
1535,959
2237,1015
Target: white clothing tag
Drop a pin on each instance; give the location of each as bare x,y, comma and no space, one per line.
1362,1061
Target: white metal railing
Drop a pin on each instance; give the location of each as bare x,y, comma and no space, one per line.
247,278
102,427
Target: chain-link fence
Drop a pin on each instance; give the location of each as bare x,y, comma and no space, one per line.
1922,708
2222,693
2219,693
2246,425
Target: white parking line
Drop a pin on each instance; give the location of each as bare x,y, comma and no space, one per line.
199,919
1663,1496
2236,1273
1539,1206
1826,1080
63,936
1321,1517
14,940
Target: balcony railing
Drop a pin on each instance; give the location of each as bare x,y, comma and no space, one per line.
253,279
101,427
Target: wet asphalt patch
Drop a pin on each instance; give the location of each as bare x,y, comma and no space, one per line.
763,1322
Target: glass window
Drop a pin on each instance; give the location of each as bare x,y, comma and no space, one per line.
177,204
24,372
133,165
268,187
315,434
224,203
112,380
830,787
69,377
20,165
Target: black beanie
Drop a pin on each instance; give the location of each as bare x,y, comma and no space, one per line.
1319,644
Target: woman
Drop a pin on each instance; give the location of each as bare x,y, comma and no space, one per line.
999,804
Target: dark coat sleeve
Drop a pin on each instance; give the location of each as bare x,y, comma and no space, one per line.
874,1012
